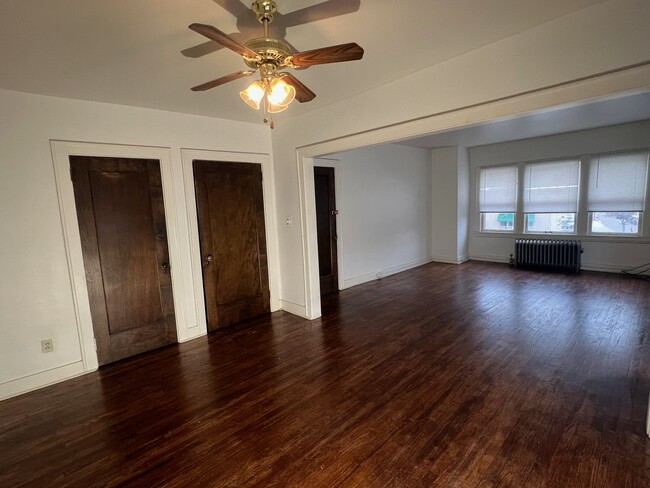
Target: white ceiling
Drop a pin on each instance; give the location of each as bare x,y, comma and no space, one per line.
589,115
130,51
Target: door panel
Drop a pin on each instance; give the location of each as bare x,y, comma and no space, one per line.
326,229
124,243
230,211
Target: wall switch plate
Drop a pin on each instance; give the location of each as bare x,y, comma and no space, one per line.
47,345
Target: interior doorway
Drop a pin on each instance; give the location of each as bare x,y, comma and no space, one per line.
123,232
232,241
326,213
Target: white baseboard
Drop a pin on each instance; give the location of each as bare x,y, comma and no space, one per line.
450,259
586,266
382,273
605,268
39,380
494,258
294,308
192,333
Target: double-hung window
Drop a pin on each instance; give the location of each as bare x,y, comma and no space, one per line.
597,195
616,193
551,196
498,198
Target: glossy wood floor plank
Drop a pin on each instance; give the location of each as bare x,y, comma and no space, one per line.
444,376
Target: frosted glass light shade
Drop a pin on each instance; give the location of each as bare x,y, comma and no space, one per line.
274,109
281,94
253,94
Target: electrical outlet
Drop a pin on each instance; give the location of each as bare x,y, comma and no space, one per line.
47,345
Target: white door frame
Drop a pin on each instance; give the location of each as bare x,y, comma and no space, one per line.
61,152
577,92
268,190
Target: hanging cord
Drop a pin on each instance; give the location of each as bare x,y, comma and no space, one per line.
268,118
642,271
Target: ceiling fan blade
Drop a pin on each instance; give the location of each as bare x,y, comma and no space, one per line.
222,80
332,54
303,94
224,39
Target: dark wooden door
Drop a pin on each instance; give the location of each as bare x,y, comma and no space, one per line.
326,229
232,236
124,242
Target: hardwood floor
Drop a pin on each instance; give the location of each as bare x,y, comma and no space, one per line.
449,376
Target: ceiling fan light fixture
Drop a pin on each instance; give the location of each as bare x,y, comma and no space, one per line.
253,94
280,93
268,57
274,109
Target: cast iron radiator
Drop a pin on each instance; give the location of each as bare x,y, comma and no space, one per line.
547,254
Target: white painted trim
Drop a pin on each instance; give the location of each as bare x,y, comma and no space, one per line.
632,79
382,273
450,259
309,236
39,380
294,308
493,258
61,152
604,268
199,320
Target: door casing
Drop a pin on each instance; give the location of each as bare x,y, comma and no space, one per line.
61,152
195,277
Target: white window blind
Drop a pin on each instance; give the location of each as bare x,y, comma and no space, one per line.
617,183
551,187
498,189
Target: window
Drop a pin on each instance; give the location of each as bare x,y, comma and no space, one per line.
498,198
616,193
498,222
560,223
551,196
599,195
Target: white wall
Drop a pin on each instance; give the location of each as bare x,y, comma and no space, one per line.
384,203
565,49
600,253
450,204
36,299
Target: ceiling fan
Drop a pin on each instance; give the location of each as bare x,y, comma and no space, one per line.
276,88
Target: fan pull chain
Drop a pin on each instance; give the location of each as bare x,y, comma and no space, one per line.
268,118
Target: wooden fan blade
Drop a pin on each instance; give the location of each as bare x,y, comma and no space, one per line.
222,80
303,94
222,38
332,54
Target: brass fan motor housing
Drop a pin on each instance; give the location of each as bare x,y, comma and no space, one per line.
270,50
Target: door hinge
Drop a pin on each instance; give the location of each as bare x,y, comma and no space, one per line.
71,175
95,343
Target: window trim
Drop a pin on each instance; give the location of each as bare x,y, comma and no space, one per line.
550,232
624,235
508,231
582,216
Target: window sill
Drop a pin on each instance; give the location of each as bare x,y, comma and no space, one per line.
584,238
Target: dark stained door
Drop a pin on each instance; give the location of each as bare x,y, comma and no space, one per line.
326,229
232,237
124,242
